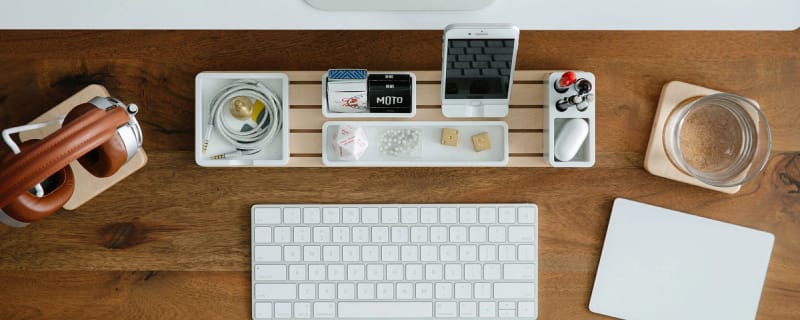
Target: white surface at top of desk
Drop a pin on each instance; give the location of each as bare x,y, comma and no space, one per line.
296,14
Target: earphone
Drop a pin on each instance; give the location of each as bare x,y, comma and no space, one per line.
102,135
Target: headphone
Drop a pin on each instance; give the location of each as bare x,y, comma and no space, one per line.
102,135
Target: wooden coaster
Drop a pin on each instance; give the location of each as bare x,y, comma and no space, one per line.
655,160
87,186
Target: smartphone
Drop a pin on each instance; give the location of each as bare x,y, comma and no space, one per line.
478,69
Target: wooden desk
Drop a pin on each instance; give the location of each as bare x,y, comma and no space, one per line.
172,241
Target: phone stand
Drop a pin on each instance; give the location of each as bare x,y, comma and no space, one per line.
655,160
87,186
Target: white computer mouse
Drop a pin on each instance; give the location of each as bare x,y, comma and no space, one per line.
570,139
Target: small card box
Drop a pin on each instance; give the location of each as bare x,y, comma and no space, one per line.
389,93
347,90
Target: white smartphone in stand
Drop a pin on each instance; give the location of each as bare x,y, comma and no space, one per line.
478,69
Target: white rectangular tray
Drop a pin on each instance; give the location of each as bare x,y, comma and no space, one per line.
329,114
433,154
206,86
554,121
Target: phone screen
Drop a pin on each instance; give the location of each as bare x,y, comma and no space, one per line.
478,68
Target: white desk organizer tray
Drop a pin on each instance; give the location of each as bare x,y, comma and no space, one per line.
328,114
431,152
554,121
525,114
207,85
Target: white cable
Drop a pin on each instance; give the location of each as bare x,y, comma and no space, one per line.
252,141
28,127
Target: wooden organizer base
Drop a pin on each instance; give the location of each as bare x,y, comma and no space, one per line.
525,117
87,186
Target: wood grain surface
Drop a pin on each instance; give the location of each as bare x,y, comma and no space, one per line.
172,241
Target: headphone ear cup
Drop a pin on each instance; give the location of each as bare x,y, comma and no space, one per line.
28,208
106,159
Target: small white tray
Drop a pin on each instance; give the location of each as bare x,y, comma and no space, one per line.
434,154
206,86
329,114
554,120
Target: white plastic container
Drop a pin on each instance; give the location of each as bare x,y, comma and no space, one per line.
328,114
207,84
554,121
432,153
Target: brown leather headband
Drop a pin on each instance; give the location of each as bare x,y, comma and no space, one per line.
48,156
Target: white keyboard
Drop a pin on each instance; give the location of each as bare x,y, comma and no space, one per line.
470,261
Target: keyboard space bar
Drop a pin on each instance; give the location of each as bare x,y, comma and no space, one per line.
385,309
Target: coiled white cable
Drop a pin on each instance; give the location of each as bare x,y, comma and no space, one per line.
252,141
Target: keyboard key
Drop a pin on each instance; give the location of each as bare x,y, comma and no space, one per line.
438,234
390,215
330,253
507,253
508,43
405,290
336,272
468,253
263,310
465,57
527,309
322,234
366,291
390,253
262,234
521,234
346,291
515,290
497,234
414,272
311,215
275,291
370,215
491,272
302,310
308,291
372,310
394,272
452,272
380,234
350,253
468,309
483,57
487,309
448,215
409,253
297,272
291,215
477,234
324,309
448,253
408,215
500,65
428,215
399,234
283,234
327,291
370,253
270,272
433,272
477,43
341,234
507,313
311,253
508,305
490,72
473,50
444,290
330,215
316,272
419,234
446,309
503,57
526,253
463,290
283,310
355,272
374,272
424,290
487,215
480,64
458,234
499,50
267,215
302,234
458,44
429,253
527,214
292,253
472,272
267,254
513,271
457,51
360,234
508,215
350,215
483,290
468,215
385,291
487,253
